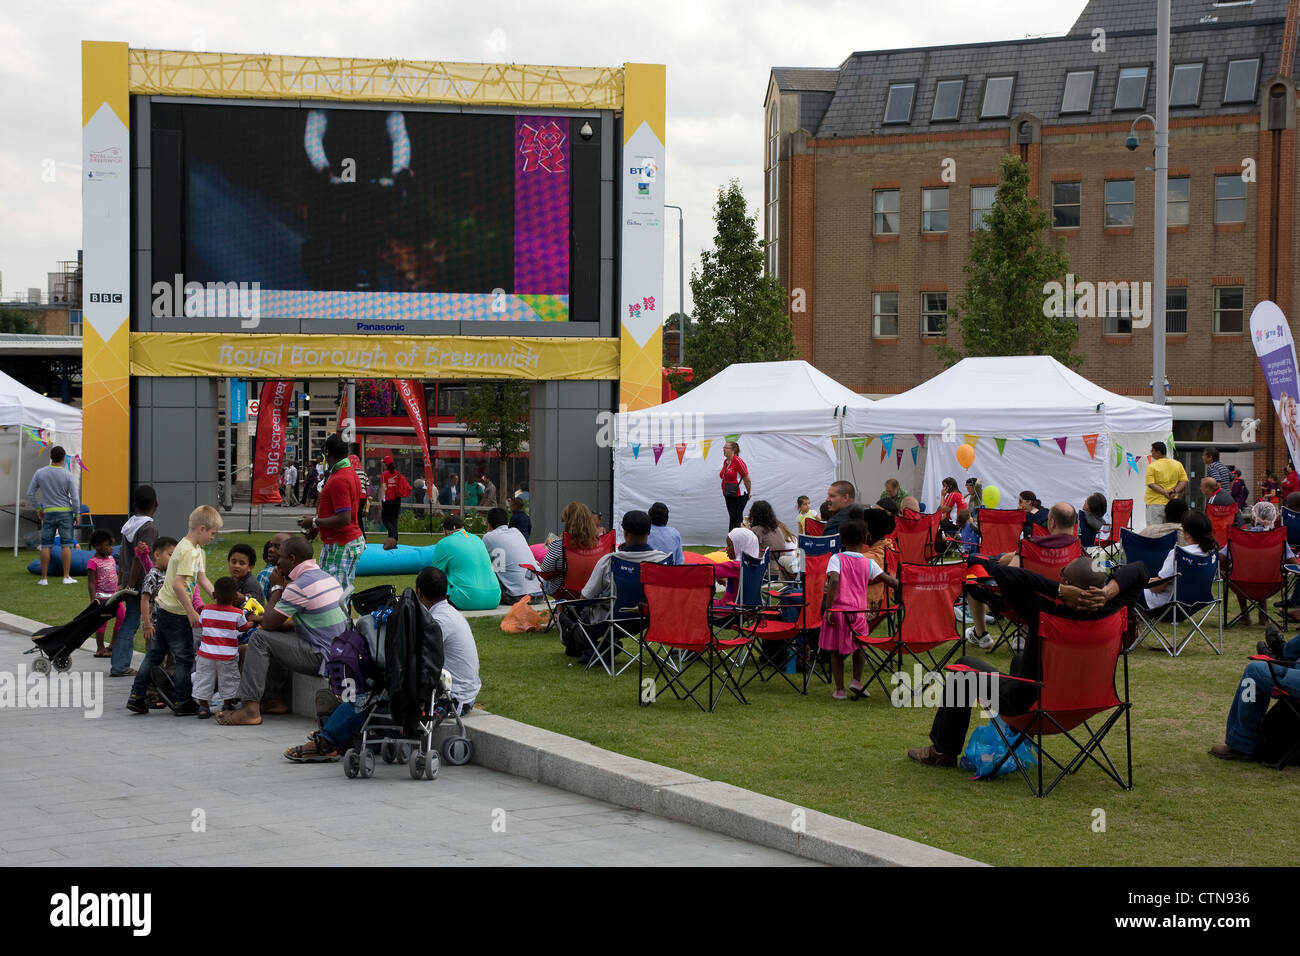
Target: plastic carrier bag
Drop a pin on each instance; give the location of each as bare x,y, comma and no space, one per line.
986,748
521,618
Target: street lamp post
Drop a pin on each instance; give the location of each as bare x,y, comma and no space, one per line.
681,284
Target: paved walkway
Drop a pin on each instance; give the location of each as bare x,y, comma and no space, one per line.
124,790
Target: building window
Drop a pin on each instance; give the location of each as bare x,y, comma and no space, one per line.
947,100
1229,306
1240,85
1185,89
1229,198
934,313
1119,202
981,204
1065,205
997,96
74,322
1176,311
898,109
1114,303
884,315
1179,201
1131,91
934,209
886,209
1078,92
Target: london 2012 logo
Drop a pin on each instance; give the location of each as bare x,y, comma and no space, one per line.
646,173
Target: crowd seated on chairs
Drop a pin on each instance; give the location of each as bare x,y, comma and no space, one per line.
775,537
1083,593
1061,518
1196,538
579,533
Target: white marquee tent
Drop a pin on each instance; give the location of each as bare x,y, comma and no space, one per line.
784,414
1034,424
21,409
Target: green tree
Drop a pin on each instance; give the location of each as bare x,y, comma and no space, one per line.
16,321
740,313
498,413
1001,310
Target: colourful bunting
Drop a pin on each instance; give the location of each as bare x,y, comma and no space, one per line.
1061,442
914,451
888,442
80,464
1132,462
971,439
1033,441
681,451
731,438
883,453
870,439
636,451
1119,455
1173,450
706,444
1002,445
920,440
658,450
898,457
859,446
1090,441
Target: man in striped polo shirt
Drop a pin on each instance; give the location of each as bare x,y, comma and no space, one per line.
297,632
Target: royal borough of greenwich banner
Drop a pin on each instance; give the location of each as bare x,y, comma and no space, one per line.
240,355
1271,334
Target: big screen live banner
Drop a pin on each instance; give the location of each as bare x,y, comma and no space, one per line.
1271,334
112,72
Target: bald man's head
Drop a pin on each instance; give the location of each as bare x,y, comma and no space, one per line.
1082,573
1061,518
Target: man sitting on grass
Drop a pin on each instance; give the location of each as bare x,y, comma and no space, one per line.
297,632
1254,692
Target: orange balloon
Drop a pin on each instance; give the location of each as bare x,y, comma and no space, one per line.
965,455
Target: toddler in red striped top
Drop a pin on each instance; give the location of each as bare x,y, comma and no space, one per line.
216,666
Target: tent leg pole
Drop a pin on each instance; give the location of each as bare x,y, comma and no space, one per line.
18,490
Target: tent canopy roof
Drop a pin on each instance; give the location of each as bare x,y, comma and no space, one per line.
790,397
1021,396
19,405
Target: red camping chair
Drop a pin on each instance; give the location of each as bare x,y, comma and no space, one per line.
1079,663
813,528
1000,530
1253,570
1121,516
1037,530
1222,517
915,534
928,593
578,565
678,604
1049,562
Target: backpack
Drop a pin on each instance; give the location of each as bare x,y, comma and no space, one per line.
413,661
349,666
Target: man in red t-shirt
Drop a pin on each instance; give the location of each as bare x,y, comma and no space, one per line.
336,516
396,487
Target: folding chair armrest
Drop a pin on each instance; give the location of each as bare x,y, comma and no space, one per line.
966,668
1274,660
581,602
544,575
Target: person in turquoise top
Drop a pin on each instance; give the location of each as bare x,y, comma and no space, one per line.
472,492
471,583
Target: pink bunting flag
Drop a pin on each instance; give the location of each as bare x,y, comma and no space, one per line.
898,457
1061,442
658,450
920,440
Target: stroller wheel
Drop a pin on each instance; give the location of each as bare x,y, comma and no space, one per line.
457,751
367,764
351,764
387,751
40,666
403,752
415,762
431,765
63,664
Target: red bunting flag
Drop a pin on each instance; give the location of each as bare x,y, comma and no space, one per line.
681,451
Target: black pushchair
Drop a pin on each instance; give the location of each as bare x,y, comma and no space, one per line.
407,689
56,644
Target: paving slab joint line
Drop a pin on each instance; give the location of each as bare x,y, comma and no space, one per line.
570,764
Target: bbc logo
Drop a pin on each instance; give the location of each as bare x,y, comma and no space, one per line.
105,297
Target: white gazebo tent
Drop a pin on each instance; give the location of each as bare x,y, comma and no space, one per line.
22,409
1034,424
788,418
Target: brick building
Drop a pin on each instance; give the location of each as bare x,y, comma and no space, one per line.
878,171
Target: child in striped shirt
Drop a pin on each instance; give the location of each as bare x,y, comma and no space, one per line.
216,665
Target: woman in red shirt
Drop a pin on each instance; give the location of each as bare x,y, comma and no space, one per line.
734,473
952,503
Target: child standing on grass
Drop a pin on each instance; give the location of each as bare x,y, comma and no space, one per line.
847,576
217,665
804,507
101,581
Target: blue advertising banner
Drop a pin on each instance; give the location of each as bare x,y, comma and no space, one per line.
1271,334
238,391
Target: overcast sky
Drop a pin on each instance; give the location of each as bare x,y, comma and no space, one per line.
718,55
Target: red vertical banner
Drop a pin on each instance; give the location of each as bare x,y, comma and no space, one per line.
413,396
268,459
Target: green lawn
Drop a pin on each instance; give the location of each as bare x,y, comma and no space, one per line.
850,758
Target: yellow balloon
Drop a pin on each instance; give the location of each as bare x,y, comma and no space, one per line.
991,497
965,455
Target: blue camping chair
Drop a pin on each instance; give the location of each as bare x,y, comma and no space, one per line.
1087,534
825,544
1291,521
1193,601
1150,551
622,617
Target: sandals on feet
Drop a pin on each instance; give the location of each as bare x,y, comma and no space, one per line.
316,750
204,712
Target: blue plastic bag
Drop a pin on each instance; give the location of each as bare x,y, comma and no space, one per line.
986,748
